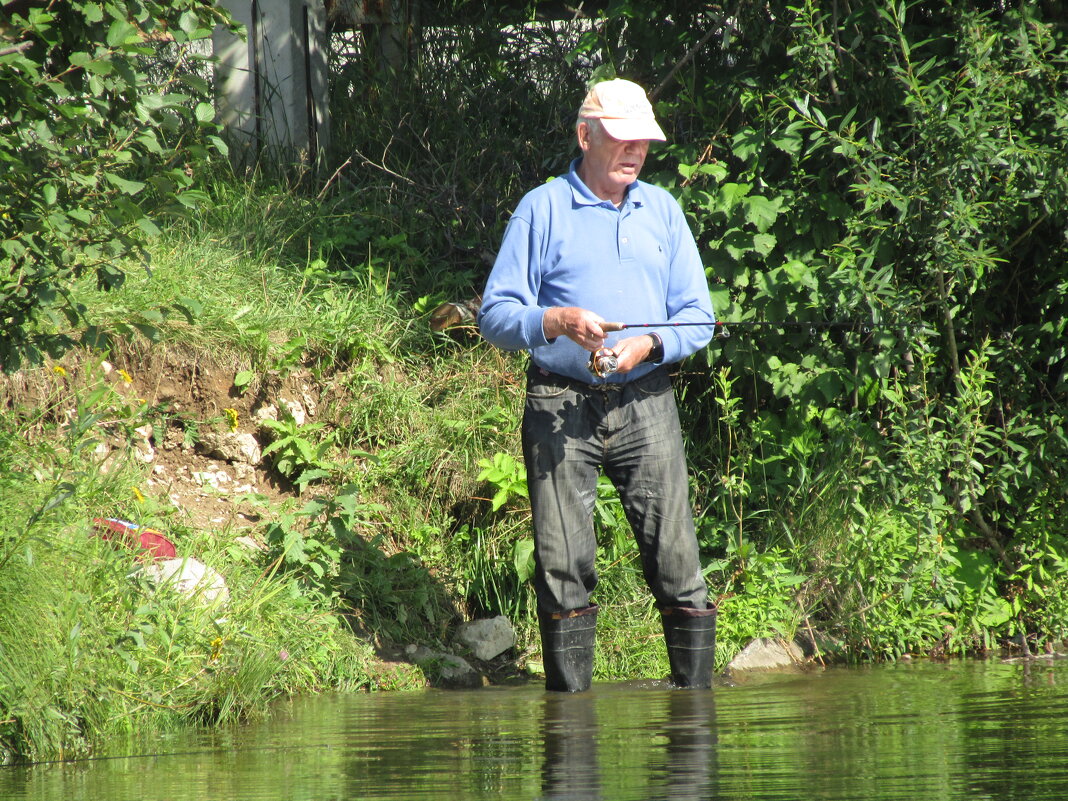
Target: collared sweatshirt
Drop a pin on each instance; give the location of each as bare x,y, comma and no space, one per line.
564,246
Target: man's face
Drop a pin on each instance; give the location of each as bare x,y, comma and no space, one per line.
610,165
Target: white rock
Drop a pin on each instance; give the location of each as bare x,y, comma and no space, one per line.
766,653
233,446
144,452
268,412
296,410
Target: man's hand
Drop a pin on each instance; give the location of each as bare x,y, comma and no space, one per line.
579,325
632,351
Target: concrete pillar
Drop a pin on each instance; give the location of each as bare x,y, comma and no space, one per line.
271,89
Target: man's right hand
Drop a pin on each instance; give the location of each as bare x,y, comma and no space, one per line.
579,325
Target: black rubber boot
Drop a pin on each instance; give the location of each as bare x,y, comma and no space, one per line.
690,636
567,641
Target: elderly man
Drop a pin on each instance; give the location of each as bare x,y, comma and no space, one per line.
591,247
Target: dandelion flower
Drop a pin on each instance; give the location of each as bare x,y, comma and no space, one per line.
126,379
59,369
231,418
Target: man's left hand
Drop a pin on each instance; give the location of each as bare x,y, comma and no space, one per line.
631,351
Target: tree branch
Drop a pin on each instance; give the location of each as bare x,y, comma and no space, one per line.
7,51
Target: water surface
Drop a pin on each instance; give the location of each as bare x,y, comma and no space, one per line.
923,730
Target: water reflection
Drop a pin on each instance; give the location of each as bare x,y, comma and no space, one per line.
570,769
889,733
679,753
689,757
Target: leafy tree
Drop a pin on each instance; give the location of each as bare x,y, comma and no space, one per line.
903,165
104,119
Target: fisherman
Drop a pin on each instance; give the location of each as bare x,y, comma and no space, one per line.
594,245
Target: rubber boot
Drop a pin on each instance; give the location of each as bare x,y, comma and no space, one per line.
567,641
690,636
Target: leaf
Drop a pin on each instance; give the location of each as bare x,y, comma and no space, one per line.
523,558
149,227
308,476
190,308
730,195
127,186
762,212
764,243
149,332
220,145
205,113
122,32
790,140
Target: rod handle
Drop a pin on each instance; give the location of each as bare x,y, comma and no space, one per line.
610,327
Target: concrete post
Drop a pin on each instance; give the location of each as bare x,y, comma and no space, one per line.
271,89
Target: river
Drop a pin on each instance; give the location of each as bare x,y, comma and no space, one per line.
913,730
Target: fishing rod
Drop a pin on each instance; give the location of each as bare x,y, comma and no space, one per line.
865,327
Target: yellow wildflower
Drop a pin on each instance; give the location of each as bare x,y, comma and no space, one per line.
231,418
59,369
139,495
125,377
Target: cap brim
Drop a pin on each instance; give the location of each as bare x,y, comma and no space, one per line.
629,130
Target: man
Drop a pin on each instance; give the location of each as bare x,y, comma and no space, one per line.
593,247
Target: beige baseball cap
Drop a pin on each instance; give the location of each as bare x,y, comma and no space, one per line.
623,109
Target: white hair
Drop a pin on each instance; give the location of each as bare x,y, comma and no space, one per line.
596,127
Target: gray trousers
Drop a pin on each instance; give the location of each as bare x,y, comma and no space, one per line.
570,432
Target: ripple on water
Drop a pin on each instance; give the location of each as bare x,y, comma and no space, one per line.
967,730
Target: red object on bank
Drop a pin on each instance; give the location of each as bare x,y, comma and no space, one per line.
141,538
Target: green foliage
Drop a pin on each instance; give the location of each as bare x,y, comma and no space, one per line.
297,451
508,477
103,108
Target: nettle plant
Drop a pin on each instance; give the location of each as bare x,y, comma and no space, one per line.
104,123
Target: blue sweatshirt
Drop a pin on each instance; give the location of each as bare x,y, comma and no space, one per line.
564,246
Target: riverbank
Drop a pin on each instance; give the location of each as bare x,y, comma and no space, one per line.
293,423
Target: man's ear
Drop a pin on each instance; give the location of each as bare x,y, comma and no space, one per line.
582,133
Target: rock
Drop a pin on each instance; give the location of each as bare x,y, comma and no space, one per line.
487,638
444,669
250,544
143,449
237,447
296,411
215,479
268,412
190,577
766,653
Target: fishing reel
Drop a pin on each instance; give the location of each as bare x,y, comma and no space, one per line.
603,362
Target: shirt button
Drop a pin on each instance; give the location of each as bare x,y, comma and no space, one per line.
625,240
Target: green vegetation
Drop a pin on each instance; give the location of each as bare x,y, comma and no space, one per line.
895,487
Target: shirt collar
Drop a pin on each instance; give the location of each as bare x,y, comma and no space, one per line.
584,197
